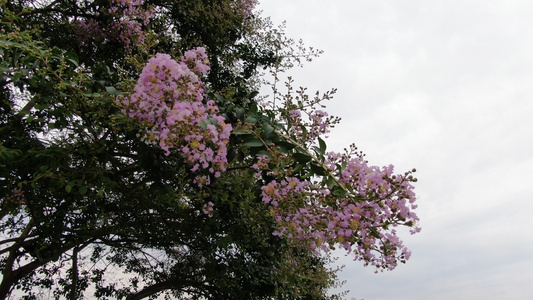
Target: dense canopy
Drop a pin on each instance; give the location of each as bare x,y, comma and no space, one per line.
138,159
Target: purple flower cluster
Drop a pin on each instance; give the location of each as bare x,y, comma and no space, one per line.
169,100
245,7
208,209
361,218
276,192
16,196
128,18
314,124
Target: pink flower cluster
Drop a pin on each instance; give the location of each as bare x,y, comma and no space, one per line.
208,209
17,196
87,29
245,7
276,192
358,213
126,27
169,100
318,124
261,164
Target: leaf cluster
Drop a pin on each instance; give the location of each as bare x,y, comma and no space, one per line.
82,195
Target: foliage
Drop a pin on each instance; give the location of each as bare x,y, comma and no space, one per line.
138,160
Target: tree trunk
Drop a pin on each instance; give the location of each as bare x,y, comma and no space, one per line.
74,275
10,277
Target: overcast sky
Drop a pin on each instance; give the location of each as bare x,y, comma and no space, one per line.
445,86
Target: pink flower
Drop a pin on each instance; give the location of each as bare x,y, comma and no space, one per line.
361,221
169,101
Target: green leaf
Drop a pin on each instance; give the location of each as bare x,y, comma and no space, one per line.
374,232
267,130
316,150
338,191
68,188
284,146
301,158
330,181
75,63
253,94
33,82
252,142
111,90
318,170
82,190
298,168
239,113
17,77
304,131
322,145
72,58
251,120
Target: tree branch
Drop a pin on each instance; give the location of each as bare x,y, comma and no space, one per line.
173,283
9,277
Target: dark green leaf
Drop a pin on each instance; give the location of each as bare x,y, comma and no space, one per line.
318,170
267,130
72,58
284,147
82,190
251,120
298,168
338,191
301,158
111,90
239,113
374,232
252,142
322,146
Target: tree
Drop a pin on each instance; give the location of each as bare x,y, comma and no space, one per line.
137,158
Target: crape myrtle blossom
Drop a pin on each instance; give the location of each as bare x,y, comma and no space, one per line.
16,196
338,200
318,124
245,7
348,204
208,209
358,213
310,125
169,100
127,20
128,17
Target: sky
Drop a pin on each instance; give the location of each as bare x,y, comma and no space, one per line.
446,87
